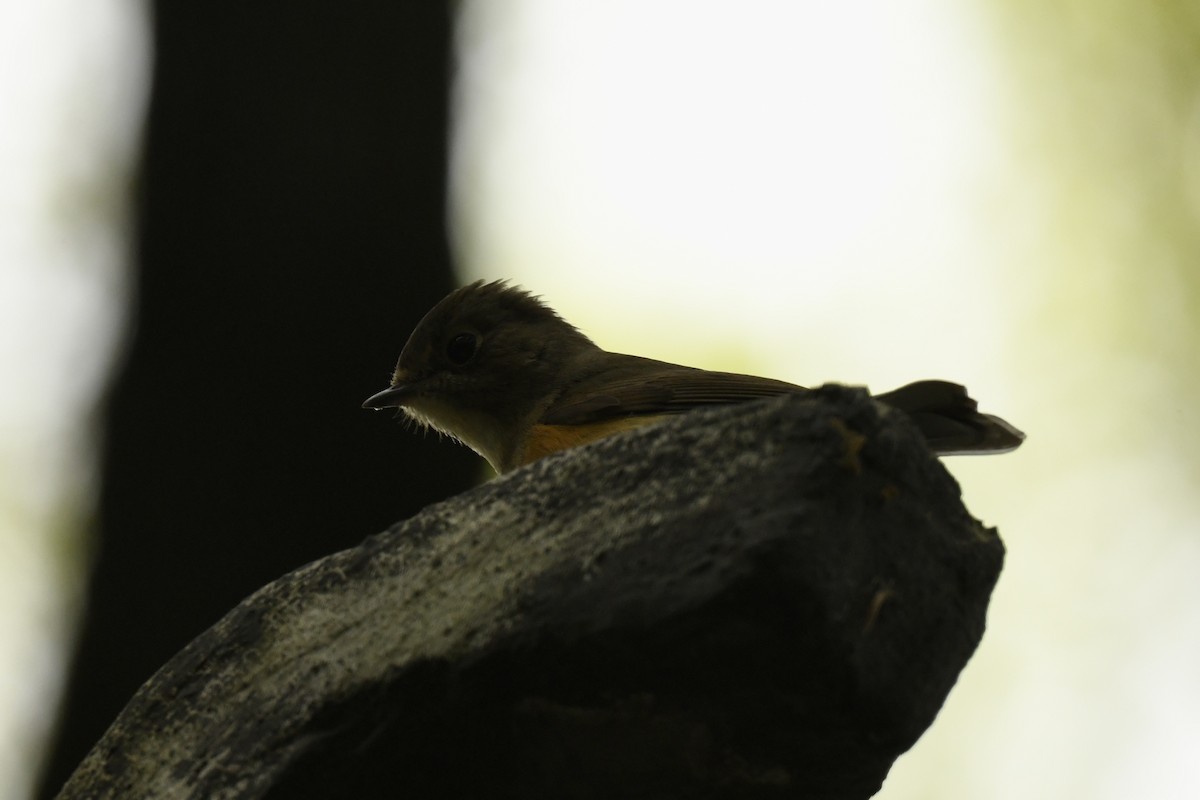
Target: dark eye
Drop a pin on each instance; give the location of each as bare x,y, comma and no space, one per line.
461,348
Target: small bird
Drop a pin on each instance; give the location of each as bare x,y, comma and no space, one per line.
500,371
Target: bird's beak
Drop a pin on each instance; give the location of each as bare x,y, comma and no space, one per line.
391,397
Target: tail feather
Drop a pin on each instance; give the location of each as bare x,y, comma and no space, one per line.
951,421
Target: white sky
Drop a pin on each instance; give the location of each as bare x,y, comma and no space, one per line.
71,86
767,139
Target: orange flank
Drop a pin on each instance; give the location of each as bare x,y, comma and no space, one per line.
546,439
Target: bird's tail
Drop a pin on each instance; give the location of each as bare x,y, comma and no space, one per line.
950,420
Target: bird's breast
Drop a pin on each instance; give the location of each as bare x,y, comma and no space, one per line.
546,439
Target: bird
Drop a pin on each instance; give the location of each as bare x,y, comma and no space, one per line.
495,368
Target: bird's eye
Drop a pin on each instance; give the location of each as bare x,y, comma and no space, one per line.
461,348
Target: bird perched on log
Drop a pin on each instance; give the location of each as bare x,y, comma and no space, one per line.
500,371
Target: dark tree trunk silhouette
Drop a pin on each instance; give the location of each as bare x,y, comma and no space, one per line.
290,233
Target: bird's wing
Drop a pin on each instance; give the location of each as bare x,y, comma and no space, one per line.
629,386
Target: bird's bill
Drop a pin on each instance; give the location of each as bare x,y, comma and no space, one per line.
391,397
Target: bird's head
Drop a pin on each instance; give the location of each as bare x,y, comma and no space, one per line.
481,364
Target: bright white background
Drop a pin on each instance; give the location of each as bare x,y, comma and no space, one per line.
871,191
72,83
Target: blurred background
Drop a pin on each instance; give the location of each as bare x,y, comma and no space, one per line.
218,225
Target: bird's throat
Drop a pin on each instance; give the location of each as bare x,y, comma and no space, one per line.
478,430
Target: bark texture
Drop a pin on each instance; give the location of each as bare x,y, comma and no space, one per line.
770,600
